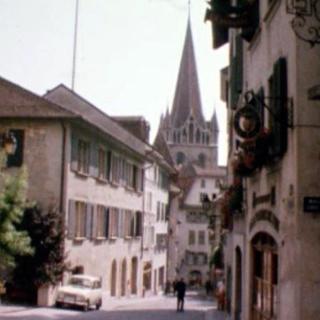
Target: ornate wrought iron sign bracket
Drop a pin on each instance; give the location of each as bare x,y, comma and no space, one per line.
306,23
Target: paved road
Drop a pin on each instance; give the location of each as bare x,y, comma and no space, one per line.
153,308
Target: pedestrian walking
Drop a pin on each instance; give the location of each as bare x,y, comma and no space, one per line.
181,291
221,295
208,287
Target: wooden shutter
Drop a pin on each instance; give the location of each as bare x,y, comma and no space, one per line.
89,220
279,123
109,165
236,72
254,20
106,222
94,231
74,152
16,159
71,219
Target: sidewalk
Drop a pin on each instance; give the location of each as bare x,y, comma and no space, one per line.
214,314
10,308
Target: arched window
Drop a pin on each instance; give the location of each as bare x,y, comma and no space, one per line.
180,159
178,137
198,136
202,160
191,129
184,136
174,137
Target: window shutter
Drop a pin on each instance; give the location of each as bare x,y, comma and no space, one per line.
16,159
279,125
71,219
74,151
106,221
89,220
254,18
236,72
93,159
109,165
94,231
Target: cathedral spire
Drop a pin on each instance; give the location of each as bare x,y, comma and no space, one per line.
187,100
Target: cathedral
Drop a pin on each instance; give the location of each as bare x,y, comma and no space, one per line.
191,144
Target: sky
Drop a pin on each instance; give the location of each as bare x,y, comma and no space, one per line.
128,53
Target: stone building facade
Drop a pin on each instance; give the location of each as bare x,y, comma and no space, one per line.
191,142
272,248
88,166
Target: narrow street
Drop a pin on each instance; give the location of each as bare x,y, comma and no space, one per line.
152,308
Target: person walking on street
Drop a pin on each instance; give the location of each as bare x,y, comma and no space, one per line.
181,291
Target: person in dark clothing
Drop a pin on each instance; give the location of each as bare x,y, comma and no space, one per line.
208,287
181,291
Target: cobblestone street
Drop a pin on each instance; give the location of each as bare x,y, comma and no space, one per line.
152,308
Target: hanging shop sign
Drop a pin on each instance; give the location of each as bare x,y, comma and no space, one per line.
247,123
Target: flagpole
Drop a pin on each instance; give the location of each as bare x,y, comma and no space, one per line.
75,46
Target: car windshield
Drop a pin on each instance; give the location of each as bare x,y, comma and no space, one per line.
81,283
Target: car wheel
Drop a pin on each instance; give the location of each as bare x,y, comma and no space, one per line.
98,305
86,306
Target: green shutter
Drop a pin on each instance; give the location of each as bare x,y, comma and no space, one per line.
236,72
279,121
71,219
74,151
89,220
106,221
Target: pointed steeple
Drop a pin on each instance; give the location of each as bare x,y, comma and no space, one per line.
187,96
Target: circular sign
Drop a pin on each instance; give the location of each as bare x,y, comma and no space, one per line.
247,123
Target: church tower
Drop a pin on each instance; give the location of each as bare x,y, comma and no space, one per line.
190,138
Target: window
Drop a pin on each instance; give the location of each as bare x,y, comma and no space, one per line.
102,164
203,183
114,222
115,168
201,237
83,156
16,159
192,237
203,195
102,222
202,160
80,219
180,158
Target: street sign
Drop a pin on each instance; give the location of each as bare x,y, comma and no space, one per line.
311,204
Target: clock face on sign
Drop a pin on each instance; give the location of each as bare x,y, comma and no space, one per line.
247,123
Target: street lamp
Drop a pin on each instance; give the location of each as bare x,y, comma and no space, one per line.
8,142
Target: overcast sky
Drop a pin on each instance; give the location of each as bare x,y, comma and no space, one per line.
128,52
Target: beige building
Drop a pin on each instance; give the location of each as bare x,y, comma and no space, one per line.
272,251
92,169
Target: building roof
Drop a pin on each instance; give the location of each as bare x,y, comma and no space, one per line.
74,103
18,102
187,95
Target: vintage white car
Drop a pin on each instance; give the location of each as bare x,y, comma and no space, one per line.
83,291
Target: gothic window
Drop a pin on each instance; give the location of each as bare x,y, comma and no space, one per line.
191,129
202,138
180,158
178,137
207,138
184,136
202,160
174,137
198,136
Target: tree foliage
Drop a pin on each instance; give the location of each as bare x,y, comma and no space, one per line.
46,266
12,205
